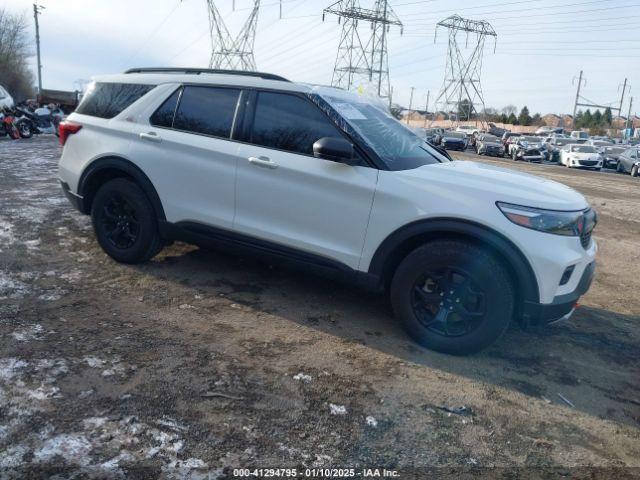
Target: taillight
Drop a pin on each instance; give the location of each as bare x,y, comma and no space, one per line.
67,128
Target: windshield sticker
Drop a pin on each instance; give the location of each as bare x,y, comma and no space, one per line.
349,112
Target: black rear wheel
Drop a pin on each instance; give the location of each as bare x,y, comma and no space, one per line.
453,296
125,222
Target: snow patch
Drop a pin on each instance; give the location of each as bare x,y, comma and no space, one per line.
32,332
74,448
302,377
371,421
337,409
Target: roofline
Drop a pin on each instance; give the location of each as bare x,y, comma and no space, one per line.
198,71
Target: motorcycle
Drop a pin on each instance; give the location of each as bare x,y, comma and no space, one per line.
7,126
38,122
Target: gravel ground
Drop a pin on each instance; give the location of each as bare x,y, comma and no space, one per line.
199,362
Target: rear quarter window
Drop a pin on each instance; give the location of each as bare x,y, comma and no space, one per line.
106,100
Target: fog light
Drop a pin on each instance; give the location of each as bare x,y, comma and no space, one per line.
566,276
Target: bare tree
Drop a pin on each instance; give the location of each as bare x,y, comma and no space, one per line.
15,49
509,109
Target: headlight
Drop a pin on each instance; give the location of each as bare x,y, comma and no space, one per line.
571,224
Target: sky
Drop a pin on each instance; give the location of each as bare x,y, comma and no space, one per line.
541,45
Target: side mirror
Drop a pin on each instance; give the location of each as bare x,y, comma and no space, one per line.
334,149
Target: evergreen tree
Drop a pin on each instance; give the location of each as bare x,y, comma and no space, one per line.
512,119
524,118
587,119
597,119
607,118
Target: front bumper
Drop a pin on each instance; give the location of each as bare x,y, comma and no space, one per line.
562,306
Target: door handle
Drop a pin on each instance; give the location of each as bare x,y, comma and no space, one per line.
265,162
151,137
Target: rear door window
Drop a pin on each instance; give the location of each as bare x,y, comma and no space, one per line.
163,116
288,122
207,110
106,100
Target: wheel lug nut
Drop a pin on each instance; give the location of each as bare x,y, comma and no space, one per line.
457,300
441,304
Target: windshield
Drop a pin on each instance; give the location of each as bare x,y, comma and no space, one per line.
614,150
602,143
397,146
454,135
562,141
490,139
583,149
530,139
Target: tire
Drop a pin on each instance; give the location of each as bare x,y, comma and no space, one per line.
634,171
24,130
125,222
619,168
487,277
514,156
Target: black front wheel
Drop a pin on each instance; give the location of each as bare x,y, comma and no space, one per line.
453,296
24,129
125,222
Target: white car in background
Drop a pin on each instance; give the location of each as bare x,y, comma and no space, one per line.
468,129
6,100
577,155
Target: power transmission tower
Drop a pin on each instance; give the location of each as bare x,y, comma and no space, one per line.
227,52
463,69
362,57
37,9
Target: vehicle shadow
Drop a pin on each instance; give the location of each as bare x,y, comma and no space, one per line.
591,361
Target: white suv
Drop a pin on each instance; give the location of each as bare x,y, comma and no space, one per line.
326,179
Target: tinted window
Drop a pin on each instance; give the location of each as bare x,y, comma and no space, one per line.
288,122
163,116
207,110
106,100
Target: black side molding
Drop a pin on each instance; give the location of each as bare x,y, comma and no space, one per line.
236,243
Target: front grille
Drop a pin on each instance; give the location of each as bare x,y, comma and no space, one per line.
532,152
588,163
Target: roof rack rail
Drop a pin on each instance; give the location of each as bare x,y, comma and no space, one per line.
198,71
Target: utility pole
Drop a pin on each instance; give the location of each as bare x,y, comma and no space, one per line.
426,109
624,87
575,106
36,11
626,126
410,104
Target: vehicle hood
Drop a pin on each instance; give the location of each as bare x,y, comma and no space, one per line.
473,181
583,156
491,144
453,139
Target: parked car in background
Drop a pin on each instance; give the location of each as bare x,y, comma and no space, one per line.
507,138
527,148
487,144
610,156
497,131
580,156
629,161
580,134
553,146
547,130
467,129
454,141
599,144
431,135
6,100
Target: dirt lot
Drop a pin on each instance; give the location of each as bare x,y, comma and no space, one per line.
199,361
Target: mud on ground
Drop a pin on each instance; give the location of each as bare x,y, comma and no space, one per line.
200,361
